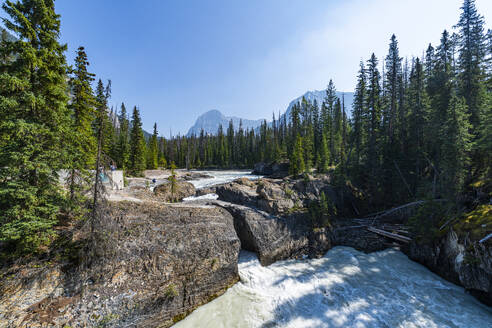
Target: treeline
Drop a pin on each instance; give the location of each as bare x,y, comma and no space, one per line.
419,127
52,121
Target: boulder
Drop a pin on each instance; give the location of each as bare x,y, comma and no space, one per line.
153,266
195,176
238,194
183,189
205,191
275,238
273,198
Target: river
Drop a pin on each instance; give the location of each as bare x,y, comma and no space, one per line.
345,288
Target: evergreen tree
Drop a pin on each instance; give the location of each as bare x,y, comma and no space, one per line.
161,156
34,123
153,151
471,44
297,159
393,76
456,147
137,145
359,113
324,155
108,133
82,107
83,142
327,117
373,102
123,145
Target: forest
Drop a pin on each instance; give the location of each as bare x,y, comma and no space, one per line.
419,127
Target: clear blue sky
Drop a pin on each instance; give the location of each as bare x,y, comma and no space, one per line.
178,59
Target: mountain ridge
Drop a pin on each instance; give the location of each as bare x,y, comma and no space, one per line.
212,119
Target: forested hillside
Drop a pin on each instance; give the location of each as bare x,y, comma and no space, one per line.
418,127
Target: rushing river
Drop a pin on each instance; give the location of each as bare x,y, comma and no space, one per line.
345,288
222,177
218,178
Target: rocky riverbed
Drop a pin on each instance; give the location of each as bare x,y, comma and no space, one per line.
159,261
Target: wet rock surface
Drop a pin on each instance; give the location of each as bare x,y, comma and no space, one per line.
459,259
157,264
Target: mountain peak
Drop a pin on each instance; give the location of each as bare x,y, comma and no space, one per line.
210,121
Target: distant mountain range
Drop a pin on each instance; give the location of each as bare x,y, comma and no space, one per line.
211,120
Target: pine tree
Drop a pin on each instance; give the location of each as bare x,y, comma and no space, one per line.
34,123
153,151
359,113
83,142
123,145
108,133
419,117
373,102
297,165
393,76
457,145
471,59
162,155
137,145
82,107
324,155
337,131
327,117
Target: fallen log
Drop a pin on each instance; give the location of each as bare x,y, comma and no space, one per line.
391,235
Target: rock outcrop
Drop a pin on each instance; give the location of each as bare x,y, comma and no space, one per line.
183,189
156,264
460,260
275,238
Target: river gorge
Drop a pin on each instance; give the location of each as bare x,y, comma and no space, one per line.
344,288
242,251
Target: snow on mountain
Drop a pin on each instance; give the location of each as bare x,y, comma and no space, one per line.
211,120
319,96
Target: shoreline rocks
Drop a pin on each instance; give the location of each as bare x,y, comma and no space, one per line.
458,259
156,264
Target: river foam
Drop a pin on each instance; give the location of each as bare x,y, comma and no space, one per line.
345,288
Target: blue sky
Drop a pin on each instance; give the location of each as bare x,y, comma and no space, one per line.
178,59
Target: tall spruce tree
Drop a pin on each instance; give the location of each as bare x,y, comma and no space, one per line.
153,150
359,114
373,102
82,107
419,119
297,165
108,133
34,123
456,146
83,142
393,76
123,144
471,44
137,145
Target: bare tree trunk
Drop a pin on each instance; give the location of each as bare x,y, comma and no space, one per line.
97,180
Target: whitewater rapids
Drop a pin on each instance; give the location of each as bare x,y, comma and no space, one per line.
345,288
